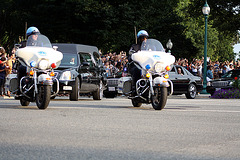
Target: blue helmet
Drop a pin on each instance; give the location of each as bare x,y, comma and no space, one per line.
142,33
32,30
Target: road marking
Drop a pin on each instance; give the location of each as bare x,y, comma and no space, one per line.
220,111
165,109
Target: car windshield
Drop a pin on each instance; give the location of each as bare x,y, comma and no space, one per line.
69,60
38,40
152,45
231,74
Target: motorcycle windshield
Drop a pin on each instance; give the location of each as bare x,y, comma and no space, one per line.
152,45
38,40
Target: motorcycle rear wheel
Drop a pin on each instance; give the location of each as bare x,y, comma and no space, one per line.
98,94
159,99
75,91
43,96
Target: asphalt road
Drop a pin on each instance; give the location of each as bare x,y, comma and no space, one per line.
200,128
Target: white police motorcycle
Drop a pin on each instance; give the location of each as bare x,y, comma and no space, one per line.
154,63
40,59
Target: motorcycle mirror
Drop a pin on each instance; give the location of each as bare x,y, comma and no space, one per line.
169,44
55,47
17,46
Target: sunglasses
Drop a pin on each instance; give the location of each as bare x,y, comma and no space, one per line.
143,37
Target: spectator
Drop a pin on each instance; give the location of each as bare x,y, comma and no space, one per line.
179,70
2,75
194,68
216,69
220,70
231,67
238,65
9,69
107,68
199,68
2,51
209,73
224,71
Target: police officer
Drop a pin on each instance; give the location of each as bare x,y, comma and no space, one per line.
135,72
33,32
22,70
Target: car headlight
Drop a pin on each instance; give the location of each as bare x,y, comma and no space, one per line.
43,64
159,67
65,76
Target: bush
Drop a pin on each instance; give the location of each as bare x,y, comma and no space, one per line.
232,93
236,83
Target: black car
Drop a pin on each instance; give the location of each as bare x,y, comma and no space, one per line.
224,82
81,71
185,82
112,85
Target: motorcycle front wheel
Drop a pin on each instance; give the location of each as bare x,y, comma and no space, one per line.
159,99
24,102
136,103
43,96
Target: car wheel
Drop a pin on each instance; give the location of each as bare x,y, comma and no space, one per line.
211,90
98,94
191,92
108,94
75,91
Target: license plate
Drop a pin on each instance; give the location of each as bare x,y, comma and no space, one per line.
111,88
218,89
69,88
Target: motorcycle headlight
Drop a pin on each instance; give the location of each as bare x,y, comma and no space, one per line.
65,76
43,64
159,67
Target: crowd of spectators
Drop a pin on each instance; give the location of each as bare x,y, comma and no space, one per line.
6,67
215,69
116,65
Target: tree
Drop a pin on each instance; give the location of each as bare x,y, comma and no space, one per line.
193,19
109,25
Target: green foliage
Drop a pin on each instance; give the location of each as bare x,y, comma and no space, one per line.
236,83
218,43
224,23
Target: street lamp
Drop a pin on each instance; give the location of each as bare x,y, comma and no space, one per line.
206,11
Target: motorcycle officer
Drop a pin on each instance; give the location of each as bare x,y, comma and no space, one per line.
135,72
21,69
